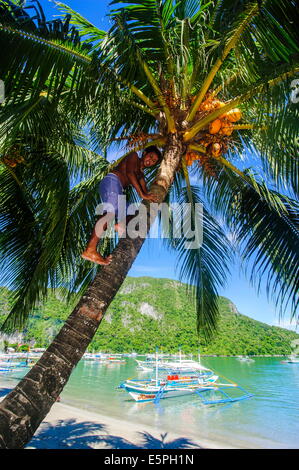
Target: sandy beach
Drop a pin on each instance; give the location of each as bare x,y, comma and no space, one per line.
67,427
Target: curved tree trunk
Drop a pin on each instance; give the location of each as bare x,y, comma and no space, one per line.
25,407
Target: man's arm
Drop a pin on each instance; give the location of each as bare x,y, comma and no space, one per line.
132,165
132,168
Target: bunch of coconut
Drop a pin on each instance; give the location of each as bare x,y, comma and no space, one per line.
205,160
13,158
224,124
215,138
190,157
137,139
221,127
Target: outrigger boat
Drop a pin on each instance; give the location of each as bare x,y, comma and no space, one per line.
179,385
245,359
174,385
291,360
171,386
148,364
115,359
184,366
8,367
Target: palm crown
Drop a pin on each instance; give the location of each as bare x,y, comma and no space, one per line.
217,74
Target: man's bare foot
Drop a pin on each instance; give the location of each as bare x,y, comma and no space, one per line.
96,257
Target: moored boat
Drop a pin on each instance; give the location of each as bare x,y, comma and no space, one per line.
291,360
171,386
8,366
115,358
167,385
245,359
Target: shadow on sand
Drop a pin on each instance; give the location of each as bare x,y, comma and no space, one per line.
69,434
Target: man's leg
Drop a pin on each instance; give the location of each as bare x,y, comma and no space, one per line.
91,253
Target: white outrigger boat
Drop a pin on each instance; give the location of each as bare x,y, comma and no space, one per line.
6,367
179,384
170,386
115,359
185,366
148,364
291,360
245,359
104,358
89,356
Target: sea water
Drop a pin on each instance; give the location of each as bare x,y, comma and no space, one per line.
269,419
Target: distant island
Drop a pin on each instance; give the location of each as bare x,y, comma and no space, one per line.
149,313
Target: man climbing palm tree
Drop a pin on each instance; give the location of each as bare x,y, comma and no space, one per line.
128,172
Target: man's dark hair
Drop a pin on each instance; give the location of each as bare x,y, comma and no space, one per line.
153,148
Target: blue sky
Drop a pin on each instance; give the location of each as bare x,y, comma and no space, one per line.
153,259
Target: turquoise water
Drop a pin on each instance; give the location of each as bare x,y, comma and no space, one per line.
270,419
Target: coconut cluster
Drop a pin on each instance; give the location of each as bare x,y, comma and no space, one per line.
208,163
13,157
137,139
215,137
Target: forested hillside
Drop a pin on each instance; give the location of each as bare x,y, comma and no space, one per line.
149,312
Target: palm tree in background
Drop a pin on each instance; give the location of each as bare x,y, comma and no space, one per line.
204,81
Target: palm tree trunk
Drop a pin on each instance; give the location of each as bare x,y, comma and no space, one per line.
25,407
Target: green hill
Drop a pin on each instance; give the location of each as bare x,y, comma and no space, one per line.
150,312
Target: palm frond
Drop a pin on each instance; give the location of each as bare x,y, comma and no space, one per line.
88,32
266,227
32,247
204,268
66,65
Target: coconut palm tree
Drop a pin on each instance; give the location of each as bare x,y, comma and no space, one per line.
206,82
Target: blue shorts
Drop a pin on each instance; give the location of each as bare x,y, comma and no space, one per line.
110,188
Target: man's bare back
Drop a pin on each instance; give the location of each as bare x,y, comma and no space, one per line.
129,172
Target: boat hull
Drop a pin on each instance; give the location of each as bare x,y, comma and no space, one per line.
149,392
150,395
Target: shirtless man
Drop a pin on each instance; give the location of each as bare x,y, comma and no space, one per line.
128,172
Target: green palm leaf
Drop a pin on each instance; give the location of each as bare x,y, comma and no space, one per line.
32,247
266,227
204,268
